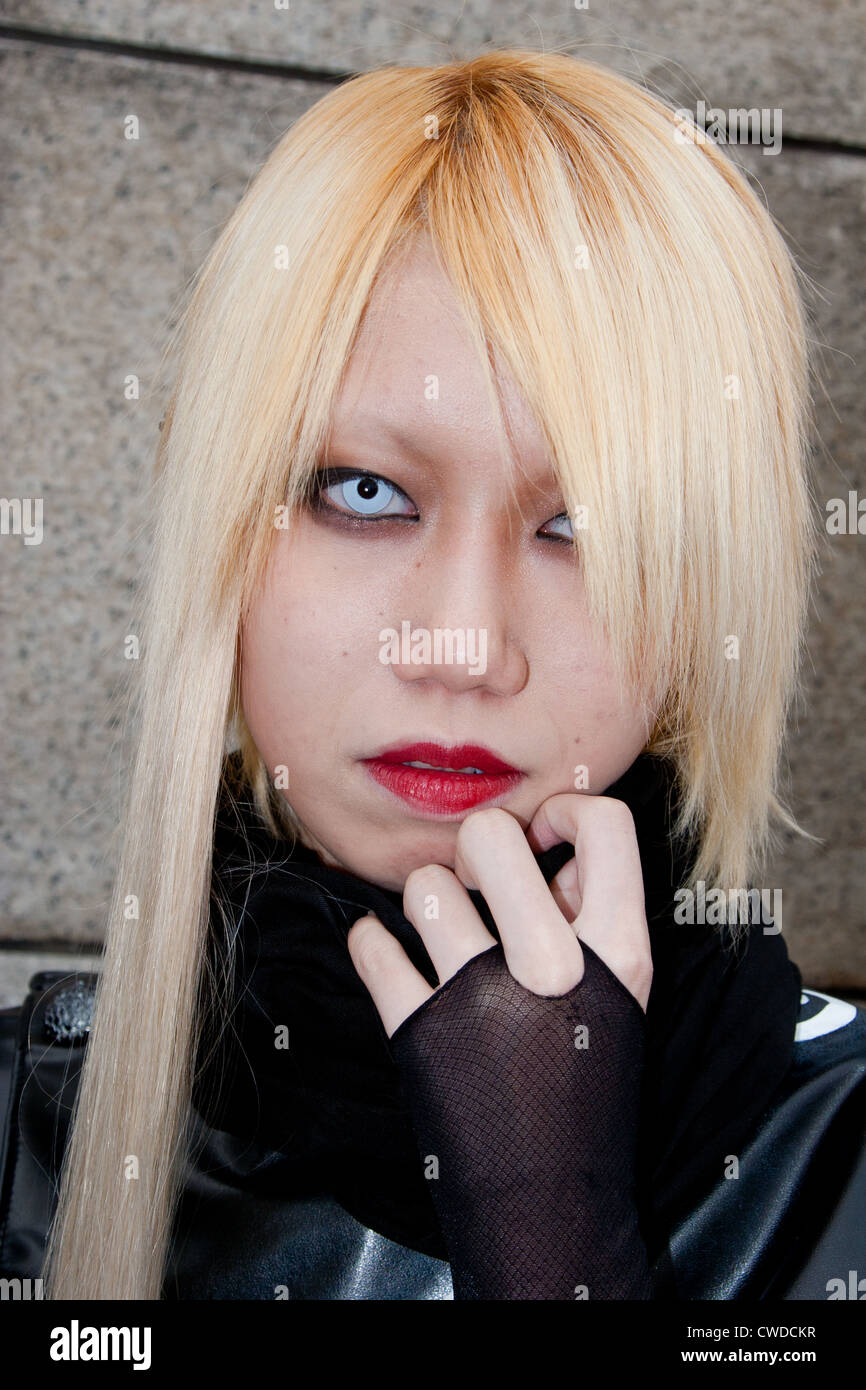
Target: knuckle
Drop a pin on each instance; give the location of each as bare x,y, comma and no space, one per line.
555,983
426,879
638,971
482,826
616,810
549,975
420,877
372,951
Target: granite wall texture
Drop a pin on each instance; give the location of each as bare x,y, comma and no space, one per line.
100,236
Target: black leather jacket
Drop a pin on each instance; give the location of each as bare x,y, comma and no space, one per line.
791,1226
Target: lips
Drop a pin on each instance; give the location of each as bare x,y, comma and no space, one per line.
452,779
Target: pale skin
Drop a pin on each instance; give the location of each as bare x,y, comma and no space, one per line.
600,893
317,698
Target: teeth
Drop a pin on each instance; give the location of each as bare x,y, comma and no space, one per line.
432,767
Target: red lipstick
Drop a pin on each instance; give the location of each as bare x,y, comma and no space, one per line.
454,779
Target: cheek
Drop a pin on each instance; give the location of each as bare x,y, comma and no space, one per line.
262,698
274,634
569,655
582,696
301,643
284,675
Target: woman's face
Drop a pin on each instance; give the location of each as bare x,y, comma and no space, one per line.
435,542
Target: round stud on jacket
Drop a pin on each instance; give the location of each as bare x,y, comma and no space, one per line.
67,1018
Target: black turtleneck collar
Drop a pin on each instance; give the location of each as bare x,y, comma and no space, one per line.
326,1112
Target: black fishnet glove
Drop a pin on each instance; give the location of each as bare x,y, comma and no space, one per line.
534,1133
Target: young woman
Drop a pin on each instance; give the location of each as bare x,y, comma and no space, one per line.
481,564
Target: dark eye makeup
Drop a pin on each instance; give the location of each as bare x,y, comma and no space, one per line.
366,496
358,497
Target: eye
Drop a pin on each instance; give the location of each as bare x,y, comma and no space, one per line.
563,520
356,493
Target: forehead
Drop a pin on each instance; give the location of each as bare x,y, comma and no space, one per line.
413,382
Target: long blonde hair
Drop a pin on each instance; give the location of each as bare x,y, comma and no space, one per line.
667,365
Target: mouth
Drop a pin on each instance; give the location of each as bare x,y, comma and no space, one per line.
443,781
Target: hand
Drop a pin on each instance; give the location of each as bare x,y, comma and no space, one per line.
522,1069
597,897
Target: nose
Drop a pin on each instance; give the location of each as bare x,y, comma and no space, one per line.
460,626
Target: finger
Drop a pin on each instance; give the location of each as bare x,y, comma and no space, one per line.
609,880
606,853
396,987
540,946
565,891
443,914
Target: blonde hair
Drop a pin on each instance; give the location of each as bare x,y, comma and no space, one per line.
667,366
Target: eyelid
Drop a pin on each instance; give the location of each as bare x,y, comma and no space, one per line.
328,476
560,516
